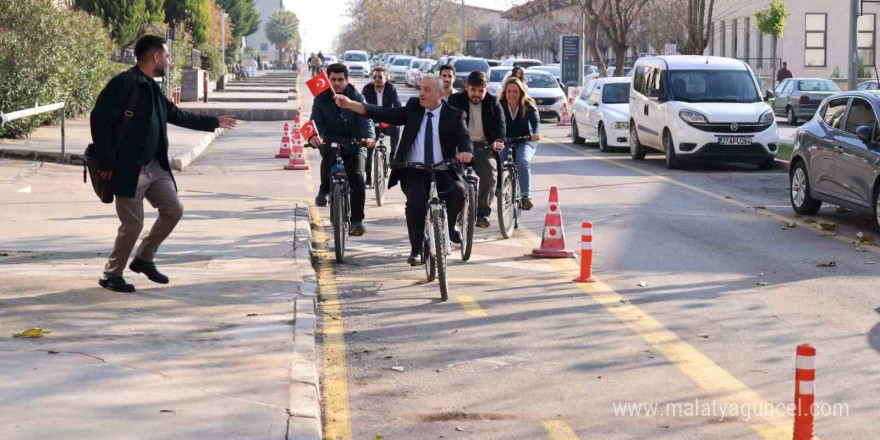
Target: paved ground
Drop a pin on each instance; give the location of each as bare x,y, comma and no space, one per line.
521,352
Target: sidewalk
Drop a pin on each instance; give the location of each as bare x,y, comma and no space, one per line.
44,144
212,355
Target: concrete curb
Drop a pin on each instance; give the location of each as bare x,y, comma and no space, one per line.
183,160
305,390
39,156
781,164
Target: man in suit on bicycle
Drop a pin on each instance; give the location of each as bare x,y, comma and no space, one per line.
433,132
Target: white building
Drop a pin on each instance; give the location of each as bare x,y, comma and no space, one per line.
258,40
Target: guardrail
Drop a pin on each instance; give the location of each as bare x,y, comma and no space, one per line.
36,110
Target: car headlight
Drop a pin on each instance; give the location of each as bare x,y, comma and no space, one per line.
620,126
560,98
692,117
767,117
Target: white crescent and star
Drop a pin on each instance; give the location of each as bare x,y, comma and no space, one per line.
320,82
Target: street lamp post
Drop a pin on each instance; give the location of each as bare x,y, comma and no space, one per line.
461,30
223,37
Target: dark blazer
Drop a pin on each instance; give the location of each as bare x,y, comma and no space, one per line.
389,95
454,136
526,123
107,114
494,125
330,126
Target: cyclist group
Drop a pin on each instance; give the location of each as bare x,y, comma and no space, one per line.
441,125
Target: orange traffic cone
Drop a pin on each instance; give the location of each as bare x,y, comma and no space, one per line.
565,119
553,239
297,156
284,152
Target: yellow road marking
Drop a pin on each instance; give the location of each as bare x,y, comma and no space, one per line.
559,430
707,193
690,361
470,306
334,381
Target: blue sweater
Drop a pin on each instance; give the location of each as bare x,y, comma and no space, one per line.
524,124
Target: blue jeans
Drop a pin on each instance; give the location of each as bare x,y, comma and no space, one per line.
525,151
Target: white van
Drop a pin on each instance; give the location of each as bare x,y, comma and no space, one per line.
358,62
691,106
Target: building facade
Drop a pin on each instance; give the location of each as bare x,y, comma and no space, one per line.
258,40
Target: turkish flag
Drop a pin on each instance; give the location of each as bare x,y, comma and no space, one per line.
318,84
308,130
384,125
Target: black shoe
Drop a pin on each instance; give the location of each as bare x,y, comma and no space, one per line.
527,204
454,236
483,221
415,258
368,184
321,200
148,269
358,229
116,284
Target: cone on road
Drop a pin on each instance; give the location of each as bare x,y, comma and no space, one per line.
565,119
804,386
586,255
297,155
553,239
284,152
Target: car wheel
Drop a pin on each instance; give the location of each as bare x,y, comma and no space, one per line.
792,119
636,149
603,139
801,200
672,161
575,133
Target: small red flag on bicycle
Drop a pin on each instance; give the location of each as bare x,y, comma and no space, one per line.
384,125
308,130
318,84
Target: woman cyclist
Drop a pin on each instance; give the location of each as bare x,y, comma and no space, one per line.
521,114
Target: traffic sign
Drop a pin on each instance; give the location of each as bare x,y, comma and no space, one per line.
428,48
670,49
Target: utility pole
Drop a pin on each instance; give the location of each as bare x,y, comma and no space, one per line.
583,57
853,54
428,40
223,37
461,30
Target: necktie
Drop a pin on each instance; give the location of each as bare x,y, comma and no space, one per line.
429,140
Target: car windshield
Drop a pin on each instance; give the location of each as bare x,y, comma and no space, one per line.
713,86
355,57
616,93
556,71
497,75
817,85
401,61
470,65
527,64
540,80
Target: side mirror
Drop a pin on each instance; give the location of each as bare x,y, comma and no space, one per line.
768,95
865,133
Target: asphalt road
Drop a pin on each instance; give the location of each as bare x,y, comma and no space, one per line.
708,284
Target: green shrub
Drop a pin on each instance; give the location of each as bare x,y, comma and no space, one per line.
212,61
181,54
50,54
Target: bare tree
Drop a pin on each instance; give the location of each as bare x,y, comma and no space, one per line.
616,18
698,25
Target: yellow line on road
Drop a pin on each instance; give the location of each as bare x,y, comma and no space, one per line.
334,381
470,306
559,430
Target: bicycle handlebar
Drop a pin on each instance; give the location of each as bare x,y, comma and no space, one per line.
441,166
341,143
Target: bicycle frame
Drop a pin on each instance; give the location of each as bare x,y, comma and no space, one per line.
436,206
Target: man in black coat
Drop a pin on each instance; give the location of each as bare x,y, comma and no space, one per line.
353,131
384,94
433,132
486,124
140,168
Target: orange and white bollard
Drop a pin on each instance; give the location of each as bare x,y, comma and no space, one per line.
804,389
284,152
586,255
565,119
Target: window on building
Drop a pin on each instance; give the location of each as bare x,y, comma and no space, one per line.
866,38
814,52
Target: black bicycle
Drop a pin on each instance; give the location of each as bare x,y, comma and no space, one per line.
467,219
509,195
380,166
436,246
340,200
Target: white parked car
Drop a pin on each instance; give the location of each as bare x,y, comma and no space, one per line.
525,63
414,66
496,77
397,69
330,59
601,113
546,91
691,106
555,70
426,68
358,62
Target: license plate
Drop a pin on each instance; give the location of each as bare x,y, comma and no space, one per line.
544,108
735,140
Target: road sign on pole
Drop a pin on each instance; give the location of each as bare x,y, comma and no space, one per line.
428,48
670,49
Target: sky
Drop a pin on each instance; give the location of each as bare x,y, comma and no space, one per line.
320,20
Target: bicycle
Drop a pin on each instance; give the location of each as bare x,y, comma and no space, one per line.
340,200
509,194
436,245
380,166
467,219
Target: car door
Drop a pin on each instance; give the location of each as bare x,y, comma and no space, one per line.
782,98
655,109
580,106
854,160
776,95
821,154
593,117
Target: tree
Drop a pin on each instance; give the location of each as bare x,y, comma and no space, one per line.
697,25
771,21
616,18
195,13
667,24
125,18
283,31
245,21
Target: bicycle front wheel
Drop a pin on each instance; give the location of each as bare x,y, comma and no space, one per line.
517,200
379,164
440,258
468,221
506,209
337,217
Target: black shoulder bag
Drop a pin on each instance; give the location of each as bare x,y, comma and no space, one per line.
104,188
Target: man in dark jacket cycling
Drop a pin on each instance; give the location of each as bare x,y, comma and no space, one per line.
353,131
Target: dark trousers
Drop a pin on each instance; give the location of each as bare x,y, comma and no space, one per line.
486,166
415,185
354,169
393,133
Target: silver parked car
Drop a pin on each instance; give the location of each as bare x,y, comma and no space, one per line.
798,98
836,157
